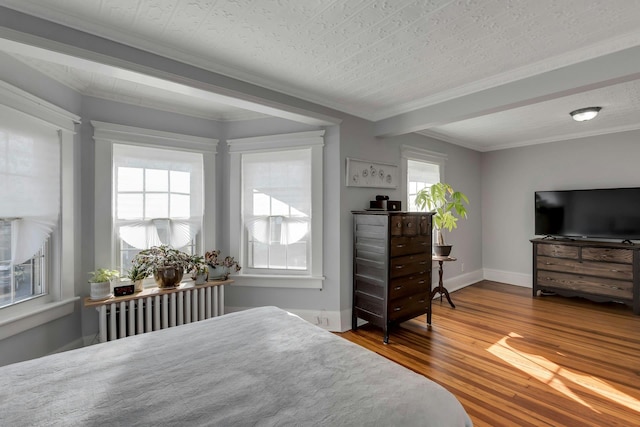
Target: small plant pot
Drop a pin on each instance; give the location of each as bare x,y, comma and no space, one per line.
138,285
218,272
100,290
200,278
442,250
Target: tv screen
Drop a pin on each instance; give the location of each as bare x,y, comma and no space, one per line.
603,213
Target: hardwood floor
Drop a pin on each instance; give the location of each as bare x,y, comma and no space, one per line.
514,360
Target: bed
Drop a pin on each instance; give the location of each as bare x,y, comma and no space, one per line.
261,367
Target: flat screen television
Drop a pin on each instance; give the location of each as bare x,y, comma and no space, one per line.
612,213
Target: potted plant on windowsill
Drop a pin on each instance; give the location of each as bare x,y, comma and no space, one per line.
137,273
448,206
200,270
100,282
166,264
220,268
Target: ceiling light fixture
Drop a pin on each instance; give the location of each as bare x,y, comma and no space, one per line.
584,114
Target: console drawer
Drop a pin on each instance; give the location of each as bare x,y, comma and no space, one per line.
590,285
559,251
589,268
608,255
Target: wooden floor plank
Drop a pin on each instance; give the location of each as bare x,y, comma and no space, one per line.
512,359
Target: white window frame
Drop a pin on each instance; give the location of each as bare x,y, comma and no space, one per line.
237,237
60,298
107,134
421,155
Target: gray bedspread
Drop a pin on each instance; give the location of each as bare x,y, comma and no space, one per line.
260,367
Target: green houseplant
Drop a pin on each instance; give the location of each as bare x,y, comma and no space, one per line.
100,282
137,273
200,269
220,268
447,205
166,264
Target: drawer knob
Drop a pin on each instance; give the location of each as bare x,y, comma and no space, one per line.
400,245
398,267
398,225
397,308
423,262
397,288
421,282
409,225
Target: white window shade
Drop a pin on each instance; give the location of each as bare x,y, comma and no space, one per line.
30,177
158,195
276,195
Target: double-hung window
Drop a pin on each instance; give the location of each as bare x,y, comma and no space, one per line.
157,192
36,211
423,169
276,209
158,199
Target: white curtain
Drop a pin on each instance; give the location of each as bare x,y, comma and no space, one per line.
159,195
29,181
276,196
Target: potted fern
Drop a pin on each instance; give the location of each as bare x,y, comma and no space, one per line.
448,206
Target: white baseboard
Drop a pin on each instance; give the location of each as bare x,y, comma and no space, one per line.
460,281
518,279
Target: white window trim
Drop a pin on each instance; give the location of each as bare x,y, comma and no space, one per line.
61,298
311,139
107,134
409,152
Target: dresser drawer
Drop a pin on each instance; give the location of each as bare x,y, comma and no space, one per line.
409,264
559,251
410,245
589,268
586,284
409,307
404,225
608,255
410,285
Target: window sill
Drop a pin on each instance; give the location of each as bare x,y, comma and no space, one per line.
43,314
256,280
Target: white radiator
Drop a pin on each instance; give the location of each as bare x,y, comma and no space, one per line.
147,313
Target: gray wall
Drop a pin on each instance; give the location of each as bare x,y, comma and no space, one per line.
510,178
462,171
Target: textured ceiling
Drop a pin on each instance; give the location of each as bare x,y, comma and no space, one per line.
375,59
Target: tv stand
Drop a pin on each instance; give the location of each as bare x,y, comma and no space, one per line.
599,271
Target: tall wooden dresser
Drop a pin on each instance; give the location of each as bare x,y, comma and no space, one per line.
391,267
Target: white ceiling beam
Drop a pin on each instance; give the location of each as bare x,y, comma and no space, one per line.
54,42
595,73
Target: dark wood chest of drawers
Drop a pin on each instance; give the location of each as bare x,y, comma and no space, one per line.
391,267
599,271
